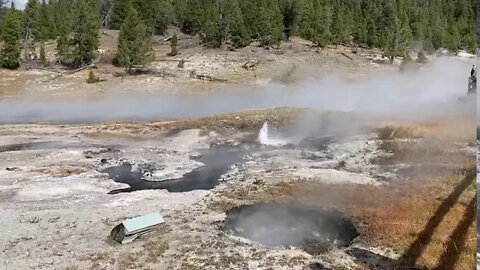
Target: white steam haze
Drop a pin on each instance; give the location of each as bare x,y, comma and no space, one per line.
433,90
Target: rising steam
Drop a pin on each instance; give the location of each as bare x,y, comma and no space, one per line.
433,90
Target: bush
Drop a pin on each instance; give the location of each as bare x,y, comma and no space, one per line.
92,78
181,63
43,56
174,45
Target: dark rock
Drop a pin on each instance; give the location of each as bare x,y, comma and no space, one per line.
316,266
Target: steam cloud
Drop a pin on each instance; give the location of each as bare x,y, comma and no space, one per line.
434,90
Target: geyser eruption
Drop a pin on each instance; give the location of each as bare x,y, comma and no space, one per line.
265,138
263,134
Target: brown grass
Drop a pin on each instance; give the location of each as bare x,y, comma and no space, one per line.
243,195
250,120
232,122
429,219
397,218
425,151
391,132
389,216
457,128
152,252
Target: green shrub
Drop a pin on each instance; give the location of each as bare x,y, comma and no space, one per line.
92,78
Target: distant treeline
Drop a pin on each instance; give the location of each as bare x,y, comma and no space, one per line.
395,26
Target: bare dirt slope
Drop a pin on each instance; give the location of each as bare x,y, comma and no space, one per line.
291,62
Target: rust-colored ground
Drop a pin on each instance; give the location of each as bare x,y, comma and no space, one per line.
429,219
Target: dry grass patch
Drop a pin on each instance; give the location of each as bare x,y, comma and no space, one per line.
399,132
426,144
244,121
456,128
423,152
422,221
250,194
429,219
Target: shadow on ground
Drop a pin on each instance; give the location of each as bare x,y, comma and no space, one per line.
454,247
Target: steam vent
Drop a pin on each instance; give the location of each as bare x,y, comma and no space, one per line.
291,225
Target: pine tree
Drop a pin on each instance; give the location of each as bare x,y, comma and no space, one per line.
276,27
45,24
85,38
51,10
249,12
315,23
270,24
43,57
212,31
32,22
189,15
322,25
452,38
306,24
290,10
119,13
238,32
64,24
10,53
134,42
2,12
398,37
156,14
340,27
385,24
360,34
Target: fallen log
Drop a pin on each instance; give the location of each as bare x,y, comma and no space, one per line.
209,78
142,71
171,60
349,57
47,69
71,72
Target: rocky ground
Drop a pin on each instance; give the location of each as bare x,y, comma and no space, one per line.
57,213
